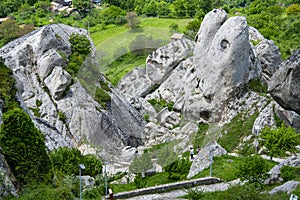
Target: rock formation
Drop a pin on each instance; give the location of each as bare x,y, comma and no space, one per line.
293,161
202,159
285,83
68,114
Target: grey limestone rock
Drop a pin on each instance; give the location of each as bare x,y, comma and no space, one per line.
284,85
293,161
269,57
222,59
168,118
67,117
159,65
57,82
162,61
48,61
7,179
202,159
287,187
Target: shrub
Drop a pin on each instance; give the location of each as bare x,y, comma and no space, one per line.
178,169
290,173
254,169
139,181
102,97
67,161
24,148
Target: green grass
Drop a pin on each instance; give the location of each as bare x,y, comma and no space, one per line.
226,168
233,132
122,66
114,38
156,179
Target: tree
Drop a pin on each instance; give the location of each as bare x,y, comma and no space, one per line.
132,20
81,4
141,164
278,141
24,148
254,169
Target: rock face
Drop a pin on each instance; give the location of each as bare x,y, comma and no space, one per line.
200,86
7,179
202,159
285,83
293,161
222,62
269,57
159,65
68,114
287,187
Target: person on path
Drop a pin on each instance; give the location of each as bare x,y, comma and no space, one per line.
192,153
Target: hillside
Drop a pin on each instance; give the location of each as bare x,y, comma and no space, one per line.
135,103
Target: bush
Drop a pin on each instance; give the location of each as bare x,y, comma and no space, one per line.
254,169
139,181
24,148
67,160
178,169
290,173
102,97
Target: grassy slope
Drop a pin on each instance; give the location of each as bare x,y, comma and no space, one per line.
108,41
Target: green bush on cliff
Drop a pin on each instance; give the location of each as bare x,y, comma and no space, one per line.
24,148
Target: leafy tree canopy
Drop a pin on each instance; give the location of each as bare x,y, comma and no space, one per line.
279,140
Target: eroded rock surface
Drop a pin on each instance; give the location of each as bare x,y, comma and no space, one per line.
285,83
65,112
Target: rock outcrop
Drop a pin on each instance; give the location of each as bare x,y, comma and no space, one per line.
202,159
65,112
293,161
269,56
287,187
285,83
7,180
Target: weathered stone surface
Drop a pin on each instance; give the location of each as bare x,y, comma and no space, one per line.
287,187
155,134
48,61
265,118
57,82
135,84
168,119
67,118
254,34
159,65
293,161
269,57
288,117
162,61
7,179
222,59
284,85
202,159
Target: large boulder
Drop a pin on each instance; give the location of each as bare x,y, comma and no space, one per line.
284,85
223,58
287,187
159,66
202,159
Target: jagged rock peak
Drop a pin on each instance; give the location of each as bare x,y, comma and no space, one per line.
284,85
